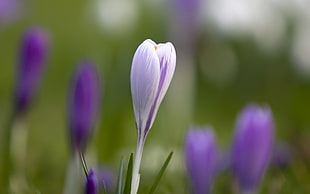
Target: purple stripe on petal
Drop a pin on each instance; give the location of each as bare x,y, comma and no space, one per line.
144,78
160,85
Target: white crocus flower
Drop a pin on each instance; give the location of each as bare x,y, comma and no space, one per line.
152,70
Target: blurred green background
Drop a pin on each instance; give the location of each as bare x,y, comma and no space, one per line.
228,55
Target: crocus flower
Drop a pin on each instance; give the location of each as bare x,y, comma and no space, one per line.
91,183
201,156
9,10
106,179
83,104
152,69
252,146
185,22
32,60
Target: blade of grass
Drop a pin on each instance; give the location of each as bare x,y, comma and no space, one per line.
129,175
120,178
160,173
104,189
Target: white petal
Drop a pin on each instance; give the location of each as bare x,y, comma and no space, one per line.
145,74
167,56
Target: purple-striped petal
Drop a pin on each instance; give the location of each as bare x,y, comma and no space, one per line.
145,75
201,156
151,73
252,146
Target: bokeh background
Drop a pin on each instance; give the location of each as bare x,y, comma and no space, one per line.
229,53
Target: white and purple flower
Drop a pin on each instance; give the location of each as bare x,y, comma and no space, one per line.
152,70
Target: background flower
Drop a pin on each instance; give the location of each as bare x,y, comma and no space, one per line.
252,147
84,104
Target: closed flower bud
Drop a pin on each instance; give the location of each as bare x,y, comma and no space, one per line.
152,70
83,104
201,157
252,146
32,60
91,183
106,179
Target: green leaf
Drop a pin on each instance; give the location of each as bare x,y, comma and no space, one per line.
120,178
104,189
129,175
160,173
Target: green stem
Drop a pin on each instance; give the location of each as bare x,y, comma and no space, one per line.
6,157
85,168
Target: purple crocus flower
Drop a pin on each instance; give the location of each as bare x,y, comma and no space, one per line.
83,104
186,22
106,179
91,183
152,70
32,60
252,146
9,10
201,156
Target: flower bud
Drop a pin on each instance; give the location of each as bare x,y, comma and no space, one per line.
32,60
83,104
152,70
252,146
201,157
91,183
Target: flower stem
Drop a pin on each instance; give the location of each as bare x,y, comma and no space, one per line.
85,168
136,166
6,157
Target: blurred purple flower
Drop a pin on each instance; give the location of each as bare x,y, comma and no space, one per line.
201,156
91,183
83,104
152,70
282,155
33,55
9,10
186,22
106,179
252,146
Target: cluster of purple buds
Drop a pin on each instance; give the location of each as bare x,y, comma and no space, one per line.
32,61
251,152
99,180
